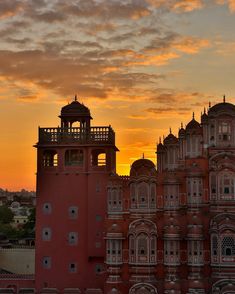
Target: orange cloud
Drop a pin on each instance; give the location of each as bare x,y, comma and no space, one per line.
191,45
230,3
187,5
177,5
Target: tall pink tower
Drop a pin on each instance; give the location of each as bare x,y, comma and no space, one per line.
73,166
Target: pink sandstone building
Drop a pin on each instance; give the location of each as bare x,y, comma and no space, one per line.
168,228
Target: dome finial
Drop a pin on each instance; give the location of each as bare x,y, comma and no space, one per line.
75,98
204,110
181,125
170,130
143,155
160,140
193,115
209,104
224,99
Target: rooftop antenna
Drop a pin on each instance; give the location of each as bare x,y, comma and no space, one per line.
224,99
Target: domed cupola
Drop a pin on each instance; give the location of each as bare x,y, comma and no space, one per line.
194,283
181,132
171,287
171,229
160,146
204,117
144,167
193,127
75,112
221,109
170,139
195,232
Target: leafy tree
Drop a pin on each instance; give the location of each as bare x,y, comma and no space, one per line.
6,215
29,227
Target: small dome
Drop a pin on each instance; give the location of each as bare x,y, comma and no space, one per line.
143,167
222,108
193,125
172,285
170,139
204,117
196,284
181,132
171,231
195,232
75,109
194,219
230,288
115,228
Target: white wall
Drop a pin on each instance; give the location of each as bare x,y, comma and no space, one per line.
18,260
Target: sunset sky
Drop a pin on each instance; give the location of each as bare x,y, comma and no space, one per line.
140,65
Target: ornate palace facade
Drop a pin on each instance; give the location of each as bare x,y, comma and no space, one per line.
164,229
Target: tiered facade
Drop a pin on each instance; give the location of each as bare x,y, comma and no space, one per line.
169,229
175,229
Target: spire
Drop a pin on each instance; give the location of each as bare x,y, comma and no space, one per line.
75,98
204,110
193,115
170,130
224,99
143,156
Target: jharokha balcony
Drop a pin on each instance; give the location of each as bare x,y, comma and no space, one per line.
91,135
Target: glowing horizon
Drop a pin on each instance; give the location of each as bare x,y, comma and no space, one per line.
141,66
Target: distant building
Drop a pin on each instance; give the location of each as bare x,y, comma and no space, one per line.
169,229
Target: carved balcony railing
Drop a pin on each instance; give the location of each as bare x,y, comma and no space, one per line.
93,135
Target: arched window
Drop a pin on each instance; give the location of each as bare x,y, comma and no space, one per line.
224,131
143,288
171,252
228,246
152,195
98,157
114,199
143,195
142,242
50,158
143,248
195,252
133,195
194,190
74,157
223,239
226,186
114,251
213,186
193,145
171,196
